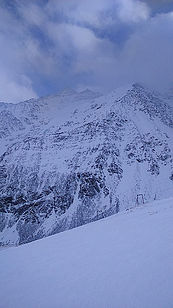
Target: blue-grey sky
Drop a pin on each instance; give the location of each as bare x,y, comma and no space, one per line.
49,45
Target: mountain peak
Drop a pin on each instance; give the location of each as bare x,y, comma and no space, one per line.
68,92
138,85
88,94
87,91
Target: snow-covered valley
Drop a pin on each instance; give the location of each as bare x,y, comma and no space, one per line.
122,261
73,158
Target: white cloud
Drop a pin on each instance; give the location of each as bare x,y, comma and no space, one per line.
71,36
147,55
12,91
90,12
31,13
133,11
77,51
80,11
14,83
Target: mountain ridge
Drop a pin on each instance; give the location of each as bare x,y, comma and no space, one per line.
67,160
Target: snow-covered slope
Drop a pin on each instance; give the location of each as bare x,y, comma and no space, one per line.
73,158
122,261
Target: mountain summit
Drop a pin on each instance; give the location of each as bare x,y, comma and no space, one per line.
73,158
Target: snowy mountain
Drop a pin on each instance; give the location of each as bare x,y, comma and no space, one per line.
73,158
122,261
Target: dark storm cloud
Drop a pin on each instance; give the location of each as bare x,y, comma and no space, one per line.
49,45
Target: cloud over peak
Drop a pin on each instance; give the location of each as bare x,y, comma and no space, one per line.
50,45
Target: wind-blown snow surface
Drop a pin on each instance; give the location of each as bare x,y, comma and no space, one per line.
123,261
73,158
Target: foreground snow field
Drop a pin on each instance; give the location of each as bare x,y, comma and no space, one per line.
124,261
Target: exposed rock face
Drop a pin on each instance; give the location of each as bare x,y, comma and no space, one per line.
70,159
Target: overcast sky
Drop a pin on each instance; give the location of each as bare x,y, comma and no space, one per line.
46,46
